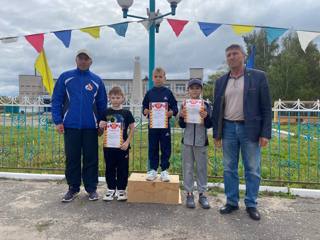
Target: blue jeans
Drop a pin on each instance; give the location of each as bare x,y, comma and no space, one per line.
235,140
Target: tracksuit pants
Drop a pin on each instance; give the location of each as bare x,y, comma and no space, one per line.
159,138
81,144
117,168
190,156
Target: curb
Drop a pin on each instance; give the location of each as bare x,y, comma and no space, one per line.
305,193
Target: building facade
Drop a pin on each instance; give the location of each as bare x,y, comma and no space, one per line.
31,86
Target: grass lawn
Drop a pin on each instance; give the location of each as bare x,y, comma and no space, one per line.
288,158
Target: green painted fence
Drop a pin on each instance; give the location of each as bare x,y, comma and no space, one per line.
29,142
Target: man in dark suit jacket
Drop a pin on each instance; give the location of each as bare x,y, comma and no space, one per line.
241,122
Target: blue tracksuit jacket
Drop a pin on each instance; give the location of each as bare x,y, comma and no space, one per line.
79,99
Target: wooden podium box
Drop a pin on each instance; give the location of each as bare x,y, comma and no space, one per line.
142,191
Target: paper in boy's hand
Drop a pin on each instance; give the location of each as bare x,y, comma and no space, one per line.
113,136
193,107
158,115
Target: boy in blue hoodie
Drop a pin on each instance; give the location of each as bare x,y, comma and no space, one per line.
159,136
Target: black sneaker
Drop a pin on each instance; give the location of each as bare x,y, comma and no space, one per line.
93,196
190,201
203,200
69,196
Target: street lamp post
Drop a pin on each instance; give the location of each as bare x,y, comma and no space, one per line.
154,19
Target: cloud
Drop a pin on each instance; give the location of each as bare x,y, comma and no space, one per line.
9,90
114,55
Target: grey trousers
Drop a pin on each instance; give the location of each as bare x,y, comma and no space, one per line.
198,155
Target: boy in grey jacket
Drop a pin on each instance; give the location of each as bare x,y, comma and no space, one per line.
195,142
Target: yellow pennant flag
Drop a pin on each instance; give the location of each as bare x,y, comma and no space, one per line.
93,31
43,68
241,29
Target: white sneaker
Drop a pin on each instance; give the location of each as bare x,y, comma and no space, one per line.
151,175
109,195
164,176
122,195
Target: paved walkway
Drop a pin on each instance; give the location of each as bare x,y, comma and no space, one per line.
32,210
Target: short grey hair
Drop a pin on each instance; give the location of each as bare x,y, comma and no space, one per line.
236,46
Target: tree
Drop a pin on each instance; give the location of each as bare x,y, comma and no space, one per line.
292,73
265,53
208,87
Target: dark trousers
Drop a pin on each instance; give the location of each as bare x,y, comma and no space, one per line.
117,168
160,137
81,143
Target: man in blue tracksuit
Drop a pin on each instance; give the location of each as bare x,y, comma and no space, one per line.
78,102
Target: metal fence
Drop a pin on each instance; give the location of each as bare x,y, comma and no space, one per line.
29,142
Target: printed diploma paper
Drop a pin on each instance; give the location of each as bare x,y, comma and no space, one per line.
158,115
193,107
113,135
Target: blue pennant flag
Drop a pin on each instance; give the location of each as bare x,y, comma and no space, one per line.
250,60
64,36
208,28
274,33
120,28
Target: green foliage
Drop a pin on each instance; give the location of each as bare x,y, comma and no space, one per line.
292,73
265,53
208,87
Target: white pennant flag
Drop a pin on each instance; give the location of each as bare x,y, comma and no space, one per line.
146,24
9,40
306,37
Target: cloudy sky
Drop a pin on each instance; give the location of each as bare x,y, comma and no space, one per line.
114,55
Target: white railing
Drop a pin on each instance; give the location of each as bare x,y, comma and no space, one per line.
296,106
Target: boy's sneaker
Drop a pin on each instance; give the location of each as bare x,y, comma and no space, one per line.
190,201
122,195
93,196
164,177
204,201
151,175
110,195
69,196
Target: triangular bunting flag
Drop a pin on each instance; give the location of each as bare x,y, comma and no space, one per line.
120,28
146,24
208,28
64,36
306,37
177,25
242,29
41,65
9,40
274,33
93,31
36,40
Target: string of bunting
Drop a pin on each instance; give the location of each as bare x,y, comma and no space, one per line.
207,28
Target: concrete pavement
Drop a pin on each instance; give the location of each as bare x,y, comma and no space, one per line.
32,210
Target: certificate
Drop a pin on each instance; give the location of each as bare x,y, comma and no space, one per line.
113,137
158,115
193,107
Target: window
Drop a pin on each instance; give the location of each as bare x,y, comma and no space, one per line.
167,85
108,87
180,88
